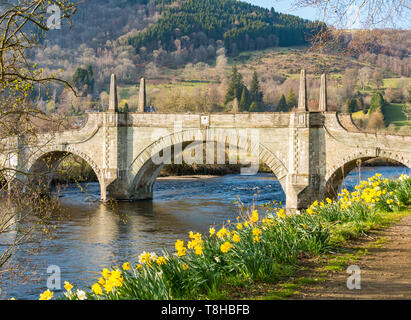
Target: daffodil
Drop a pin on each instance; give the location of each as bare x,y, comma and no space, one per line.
144,258
222,232
181,250
97,289
46,295
281,214
310,211
256,232
236,238
81,295
211,231
254,216
108,286
67,286
225,247
106,273
198,250
161,260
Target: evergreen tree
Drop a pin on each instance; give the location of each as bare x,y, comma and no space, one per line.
126,107
346,107
361,105
244,105
377,102
83,79
90,78
255,90
282,104
255,107
353,106
235,86
238,24
291,99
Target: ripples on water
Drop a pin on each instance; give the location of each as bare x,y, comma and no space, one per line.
96,236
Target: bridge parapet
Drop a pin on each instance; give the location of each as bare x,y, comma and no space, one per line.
229,120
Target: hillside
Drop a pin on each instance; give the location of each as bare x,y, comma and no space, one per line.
146,37
186,49
240,26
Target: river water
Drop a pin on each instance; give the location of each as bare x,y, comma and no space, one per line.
96,235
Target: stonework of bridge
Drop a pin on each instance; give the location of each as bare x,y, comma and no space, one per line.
309,152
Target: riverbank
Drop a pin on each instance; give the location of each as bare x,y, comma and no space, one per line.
187,177
381,253
384,260
75,170
254,252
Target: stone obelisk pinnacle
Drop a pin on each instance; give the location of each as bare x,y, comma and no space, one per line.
142,96
302,97
113,101
323,94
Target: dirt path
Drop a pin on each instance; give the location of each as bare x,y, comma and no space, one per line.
385,273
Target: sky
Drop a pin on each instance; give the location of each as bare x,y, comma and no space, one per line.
286,6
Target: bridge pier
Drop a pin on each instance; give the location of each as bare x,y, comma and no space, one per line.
304,145
305,180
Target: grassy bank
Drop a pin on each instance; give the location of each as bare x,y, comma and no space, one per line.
316,271
253,250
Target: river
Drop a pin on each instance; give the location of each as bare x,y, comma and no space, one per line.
96,235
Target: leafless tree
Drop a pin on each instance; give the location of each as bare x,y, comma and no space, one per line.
355,25
23,24
361,14
406,109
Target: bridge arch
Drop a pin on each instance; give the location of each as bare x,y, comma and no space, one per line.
338,172
43,164
144,171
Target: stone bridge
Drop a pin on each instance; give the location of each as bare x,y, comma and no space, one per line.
309,152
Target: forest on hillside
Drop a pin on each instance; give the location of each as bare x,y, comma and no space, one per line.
108,36
240,25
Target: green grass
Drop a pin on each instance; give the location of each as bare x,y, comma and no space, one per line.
305,281
395,83
126,91
393,115
287,290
